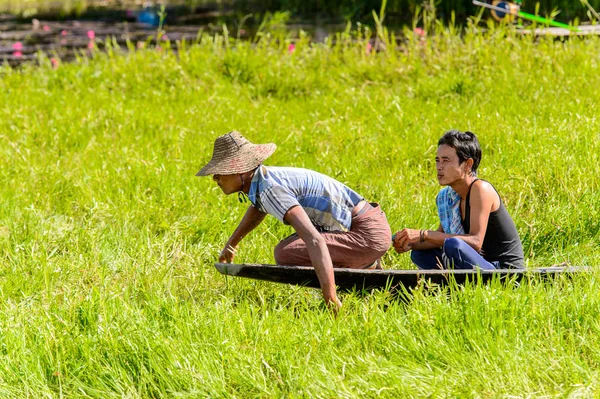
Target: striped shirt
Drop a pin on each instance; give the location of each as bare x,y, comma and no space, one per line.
327,202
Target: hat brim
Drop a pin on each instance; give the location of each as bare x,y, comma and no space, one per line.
241,162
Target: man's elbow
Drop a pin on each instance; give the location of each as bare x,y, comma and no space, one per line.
477,244
316,242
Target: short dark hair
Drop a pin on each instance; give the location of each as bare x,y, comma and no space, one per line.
466,146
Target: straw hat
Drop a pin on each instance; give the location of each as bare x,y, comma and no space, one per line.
233,154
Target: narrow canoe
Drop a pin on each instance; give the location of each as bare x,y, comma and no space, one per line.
352,279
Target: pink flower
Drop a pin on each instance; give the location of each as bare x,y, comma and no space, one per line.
419,32
64,32
46,28
291,48
242,31
55,63
91,34
18,46
18,54
369,48
165,37
91,45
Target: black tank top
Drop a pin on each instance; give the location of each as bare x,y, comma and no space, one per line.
501,242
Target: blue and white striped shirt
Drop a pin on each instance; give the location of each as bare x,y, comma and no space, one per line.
327,202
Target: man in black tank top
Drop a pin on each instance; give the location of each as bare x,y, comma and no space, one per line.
475,228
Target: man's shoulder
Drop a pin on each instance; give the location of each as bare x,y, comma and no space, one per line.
483,186
292,174
287,169
300,177
484,189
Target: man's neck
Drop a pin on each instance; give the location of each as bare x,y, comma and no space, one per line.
247,178
462,186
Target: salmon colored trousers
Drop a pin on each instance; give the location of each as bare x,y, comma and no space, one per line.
367,241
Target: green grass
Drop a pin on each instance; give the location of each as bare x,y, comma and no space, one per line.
107,239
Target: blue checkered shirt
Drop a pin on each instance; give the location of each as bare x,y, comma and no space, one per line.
327,202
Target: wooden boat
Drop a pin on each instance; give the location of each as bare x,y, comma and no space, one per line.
353,279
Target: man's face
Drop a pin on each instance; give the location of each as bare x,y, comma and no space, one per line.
447,166
228,183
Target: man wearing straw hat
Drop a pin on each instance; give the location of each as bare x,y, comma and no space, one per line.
335,227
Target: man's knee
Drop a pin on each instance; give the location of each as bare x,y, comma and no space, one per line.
280,253
452,245
291,251
458,254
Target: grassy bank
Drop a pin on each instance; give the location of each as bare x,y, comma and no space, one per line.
107,239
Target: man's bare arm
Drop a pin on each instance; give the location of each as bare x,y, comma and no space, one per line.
252,218
317,251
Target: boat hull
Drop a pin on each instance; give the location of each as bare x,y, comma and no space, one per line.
353,279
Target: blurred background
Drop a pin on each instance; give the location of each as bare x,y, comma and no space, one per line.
338,11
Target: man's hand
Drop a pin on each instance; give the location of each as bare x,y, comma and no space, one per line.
406,237
400,248
251,219
227,254
335,305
